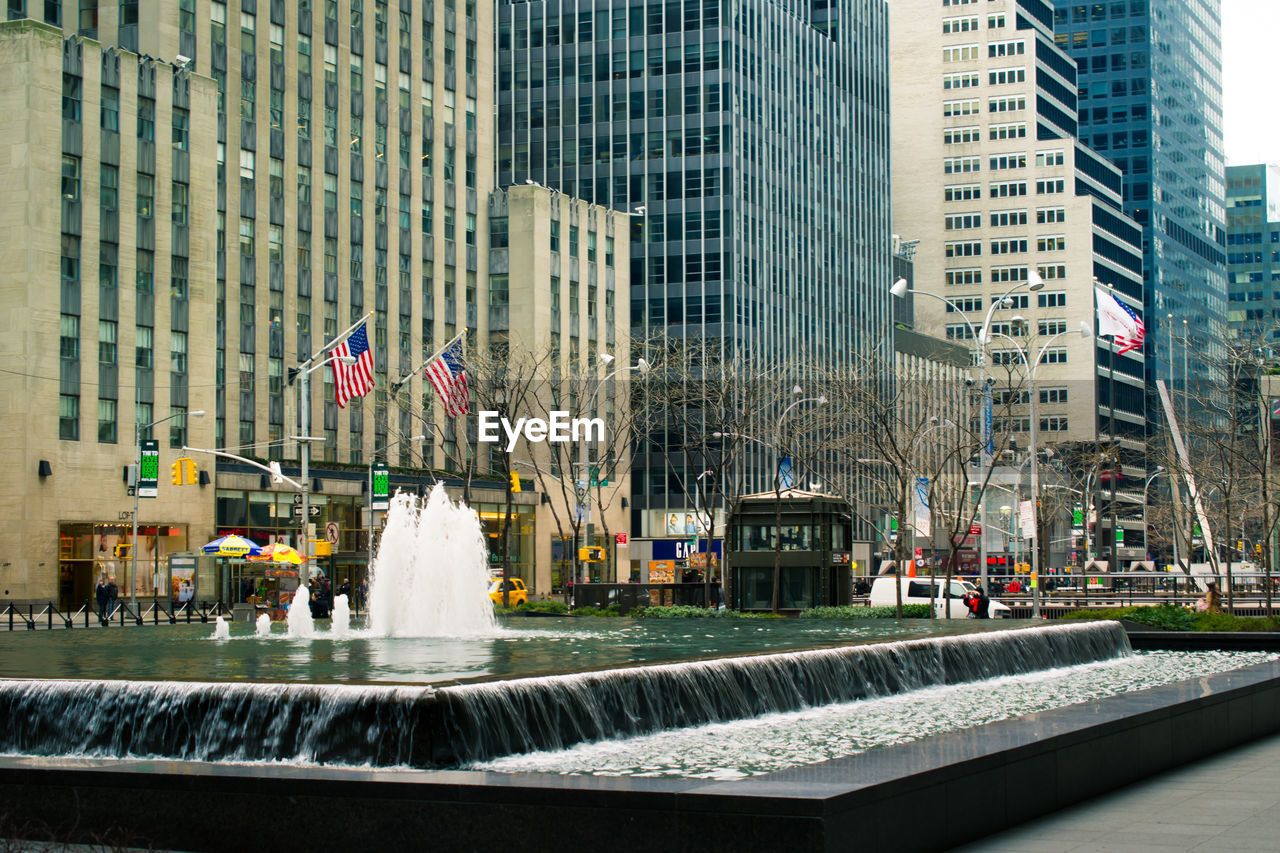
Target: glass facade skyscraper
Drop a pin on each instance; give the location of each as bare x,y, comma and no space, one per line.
1253,251
1150,80
754,136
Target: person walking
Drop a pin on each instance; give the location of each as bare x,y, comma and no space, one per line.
103,597
113,593
1212,598
982,605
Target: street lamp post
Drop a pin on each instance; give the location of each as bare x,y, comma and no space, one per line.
303,374
1032,366
372,458
583,491
138,430
981,336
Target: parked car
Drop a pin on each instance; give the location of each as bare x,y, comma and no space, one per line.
916,591
516,592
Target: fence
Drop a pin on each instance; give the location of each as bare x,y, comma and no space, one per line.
142,613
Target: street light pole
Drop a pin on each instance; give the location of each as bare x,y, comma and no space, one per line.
138,430
1033,283
583,492
1033,396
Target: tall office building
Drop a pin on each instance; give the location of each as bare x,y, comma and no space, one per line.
1150,85
990,178
108,285
1253,251
751,139
297,166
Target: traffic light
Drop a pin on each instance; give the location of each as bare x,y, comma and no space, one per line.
183,471
515,481
122,551
591,554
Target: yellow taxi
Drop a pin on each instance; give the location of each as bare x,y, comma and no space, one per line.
516,593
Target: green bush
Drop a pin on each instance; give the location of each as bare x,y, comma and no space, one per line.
544,607
689,612
611,610
1171,617
909,611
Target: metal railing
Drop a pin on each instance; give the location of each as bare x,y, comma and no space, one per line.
156,612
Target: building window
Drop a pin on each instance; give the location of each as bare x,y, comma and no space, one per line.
107,331
69,417
181,130
70,177
145,281
180,197
1051,300
146,196
143,347
106,421
71,97
178,352
109,113
69,337
109,184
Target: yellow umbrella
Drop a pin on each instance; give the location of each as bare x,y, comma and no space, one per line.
278,552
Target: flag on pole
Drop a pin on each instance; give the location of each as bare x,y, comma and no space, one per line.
352,380
1120,321
448,376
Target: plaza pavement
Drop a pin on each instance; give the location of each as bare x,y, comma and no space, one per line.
1228,803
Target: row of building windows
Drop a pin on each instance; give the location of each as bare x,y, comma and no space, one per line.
605,66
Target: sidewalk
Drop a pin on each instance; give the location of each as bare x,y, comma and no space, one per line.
1227,803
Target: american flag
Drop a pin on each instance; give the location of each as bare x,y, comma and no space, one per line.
449,377
1120,321
353,380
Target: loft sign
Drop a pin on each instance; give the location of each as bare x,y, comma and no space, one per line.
558,428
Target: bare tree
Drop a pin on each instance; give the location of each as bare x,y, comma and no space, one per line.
705,410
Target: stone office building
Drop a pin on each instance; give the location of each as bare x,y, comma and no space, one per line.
107,278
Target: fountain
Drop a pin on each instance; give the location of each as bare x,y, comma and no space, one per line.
431,572
435,683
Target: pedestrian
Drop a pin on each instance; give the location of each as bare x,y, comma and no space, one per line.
364,591
102,596
345,589
1212,598
982,608
971,601
113,593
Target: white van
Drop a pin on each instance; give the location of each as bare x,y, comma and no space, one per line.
916,591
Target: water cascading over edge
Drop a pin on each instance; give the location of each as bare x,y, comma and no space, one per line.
430,575
425,727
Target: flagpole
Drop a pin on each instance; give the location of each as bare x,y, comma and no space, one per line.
396,386
1115,444
304,443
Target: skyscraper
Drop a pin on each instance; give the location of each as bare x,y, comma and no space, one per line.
1253,251
751,135
1150,87
991,180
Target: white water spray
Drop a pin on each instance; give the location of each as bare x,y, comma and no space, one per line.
340,625
221,630
299,615
262,628
430,575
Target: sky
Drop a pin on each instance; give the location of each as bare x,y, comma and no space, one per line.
1250,77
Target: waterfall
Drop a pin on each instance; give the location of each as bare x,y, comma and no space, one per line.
426,727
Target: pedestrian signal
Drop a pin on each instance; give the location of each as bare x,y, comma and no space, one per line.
122,552
591,554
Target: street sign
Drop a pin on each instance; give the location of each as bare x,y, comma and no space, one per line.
331,533
620,538
314,511
297,499
149,472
